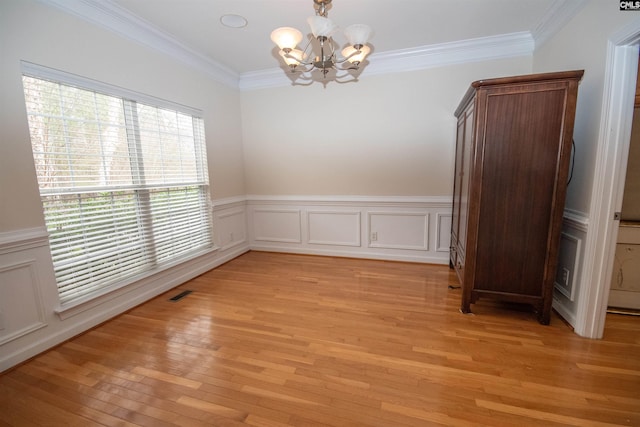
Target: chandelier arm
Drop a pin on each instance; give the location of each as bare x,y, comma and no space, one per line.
345,59
302,70
287,55
308,48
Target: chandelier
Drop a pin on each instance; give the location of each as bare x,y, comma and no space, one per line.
322,29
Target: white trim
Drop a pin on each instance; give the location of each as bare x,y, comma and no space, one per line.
418,58
573,285
439,246
18,240
281,239
564,312
615,130
433,201
425,230
227,202
557,16
451,53
576,220
231,213
297,213
30,265
358,219
110,16
233,210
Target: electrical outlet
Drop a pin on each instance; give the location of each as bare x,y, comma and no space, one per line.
565,277
231,237
2,323
374,236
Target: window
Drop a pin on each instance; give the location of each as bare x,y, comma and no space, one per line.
123,181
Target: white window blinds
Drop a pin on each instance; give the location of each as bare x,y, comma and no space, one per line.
124,185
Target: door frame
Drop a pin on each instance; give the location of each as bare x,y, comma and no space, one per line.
608,180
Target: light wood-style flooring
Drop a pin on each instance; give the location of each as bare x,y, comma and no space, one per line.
293,340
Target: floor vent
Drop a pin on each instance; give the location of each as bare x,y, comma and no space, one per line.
180,296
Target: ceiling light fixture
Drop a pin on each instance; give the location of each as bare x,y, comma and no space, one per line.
233,21
320,39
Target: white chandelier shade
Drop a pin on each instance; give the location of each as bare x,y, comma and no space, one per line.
321,26
357,34
322,32
286,37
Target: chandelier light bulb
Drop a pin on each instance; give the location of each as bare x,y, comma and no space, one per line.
286,38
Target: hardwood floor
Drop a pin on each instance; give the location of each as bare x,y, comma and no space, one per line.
277,340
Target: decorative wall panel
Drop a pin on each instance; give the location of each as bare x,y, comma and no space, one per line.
277,225
443,232
21,309
334,228
399,230
570,248
230,228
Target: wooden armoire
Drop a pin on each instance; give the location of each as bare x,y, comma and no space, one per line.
513,151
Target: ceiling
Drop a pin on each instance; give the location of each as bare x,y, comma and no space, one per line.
397,24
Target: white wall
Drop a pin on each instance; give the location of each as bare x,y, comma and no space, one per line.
387,135
36,33
582,44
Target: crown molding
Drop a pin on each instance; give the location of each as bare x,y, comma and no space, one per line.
452,53
108,15
419,58
557,16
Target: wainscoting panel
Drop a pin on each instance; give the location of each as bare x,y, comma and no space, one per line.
569,273
21,307
443,232
230,227
399,230
339,228
565,282
277,225
414,229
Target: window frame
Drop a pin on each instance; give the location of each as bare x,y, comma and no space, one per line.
130,98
